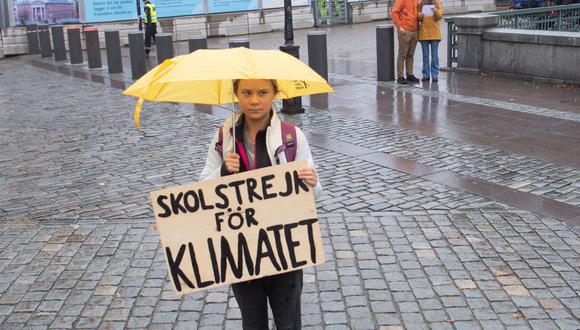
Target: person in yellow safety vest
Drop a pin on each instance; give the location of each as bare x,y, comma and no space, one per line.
150,21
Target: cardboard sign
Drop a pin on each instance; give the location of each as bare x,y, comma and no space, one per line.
238,227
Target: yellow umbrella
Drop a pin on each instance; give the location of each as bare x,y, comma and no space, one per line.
206,77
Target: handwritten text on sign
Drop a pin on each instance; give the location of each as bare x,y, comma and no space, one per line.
238,228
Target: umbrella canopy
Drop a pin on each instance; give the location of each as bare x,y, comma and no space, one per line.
206,77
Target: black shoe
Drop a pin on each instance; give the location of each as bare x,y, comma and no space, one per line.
435,80
425,79
401,81
412,79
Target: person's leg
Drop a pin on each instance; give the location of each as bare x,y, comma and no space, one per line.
403,38
154,31
251,298
284,293
411,52
425,51
435,58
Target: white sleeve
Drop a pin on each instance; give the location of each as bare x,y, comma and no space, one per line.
303,153
213,163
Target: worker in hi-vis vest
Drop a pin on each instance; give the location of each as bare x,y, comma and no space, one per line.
150,21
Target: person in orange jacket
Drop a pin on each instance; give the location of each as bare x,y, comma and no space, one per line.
406,18
430,14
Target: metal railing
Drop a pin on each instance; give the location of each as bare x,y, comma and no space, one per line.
330,12
556,18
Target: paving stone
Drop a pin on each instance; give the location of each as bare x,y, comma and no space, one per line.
362,324
63,322
94,311
118,314
459,313
166,317
435,316
335,318
88,323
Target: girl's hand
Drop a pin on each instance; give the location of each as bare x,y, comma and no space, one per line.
232,162
309,176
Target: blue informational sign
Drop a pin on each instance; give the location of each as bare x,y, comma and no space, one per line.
224,6
169,8
120,10
109,10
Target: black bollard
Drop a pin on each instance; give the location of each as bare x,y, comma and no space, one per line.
137,54
58,42
93,48
164,43
32,35
385,53
74,44
44,37
239,43
196,43
317,55
113,44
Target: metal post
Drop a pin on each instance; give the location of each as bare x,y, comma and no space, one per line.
294,105
239,43
113,44
137,54
385,53
449,44
164,43
32,35
74,45
196,43
44,37
139,15
93,48
4,14
58,42
317,53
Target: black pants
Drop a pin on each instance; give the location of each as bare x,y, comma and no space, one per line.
150,30
282,290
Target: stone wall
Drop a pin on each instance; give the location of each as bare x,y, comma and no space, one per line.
550,55
525,54
14,41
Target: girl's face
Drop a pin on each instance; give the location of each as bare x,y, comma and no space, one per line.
255,97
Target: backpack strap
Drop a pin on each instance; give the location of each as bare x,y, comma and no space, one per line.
219,145
289,144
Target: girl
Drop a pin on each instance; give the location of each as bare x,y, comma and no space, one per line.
258,136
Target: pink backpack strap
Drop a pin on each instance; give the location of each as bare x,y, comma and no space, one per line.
219,145
289,142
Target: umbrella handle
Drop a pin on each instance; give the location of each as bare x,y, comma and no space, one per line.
234,126
233,116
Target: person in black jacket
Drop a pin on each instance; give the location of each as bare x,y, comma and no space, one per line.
150,21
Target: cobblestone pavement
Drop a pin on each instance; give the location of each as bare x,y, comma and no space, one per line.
79,248
554,181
